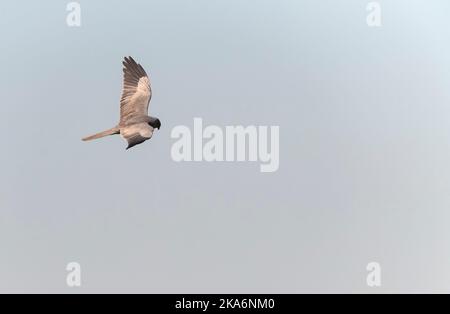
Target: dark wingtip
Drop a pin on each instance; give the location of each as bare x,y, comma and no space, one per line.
128,59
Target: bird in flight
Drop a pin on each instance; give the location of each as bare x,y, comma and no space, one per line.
135,125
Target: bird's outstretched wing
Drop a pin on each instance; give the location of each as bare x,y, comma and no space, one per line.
136,133
136,91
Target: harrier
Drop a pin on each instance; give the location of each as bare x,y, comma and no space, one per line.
135,125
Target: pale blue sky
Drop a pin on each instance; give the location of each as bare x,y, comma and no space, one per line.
364,150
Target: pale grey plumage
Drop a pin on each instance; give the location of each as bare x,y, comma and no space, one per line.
135,126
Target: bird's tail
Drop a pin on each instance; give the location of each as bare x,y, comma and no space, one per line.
112,131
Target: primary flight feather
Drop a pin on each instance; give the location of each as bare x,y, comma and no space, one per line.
135,125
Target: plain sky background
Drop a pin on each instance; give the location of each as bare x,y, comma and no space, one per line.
364,116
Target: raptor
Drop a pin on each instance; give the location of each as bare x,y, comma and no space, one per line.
135,125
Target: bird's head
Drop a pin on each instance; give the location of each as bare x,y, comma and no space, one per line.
155,123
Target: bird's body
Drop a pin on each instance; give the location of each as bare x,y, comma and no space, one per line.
135,125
